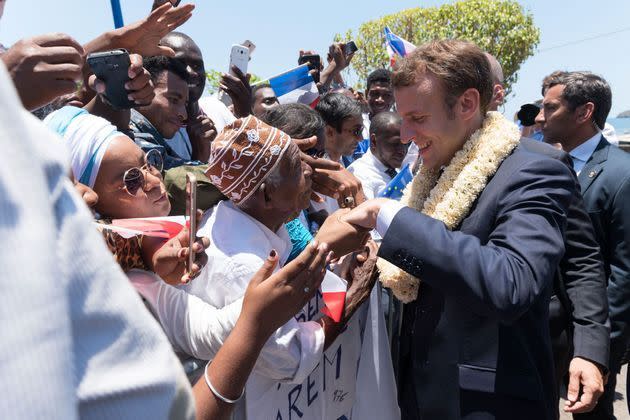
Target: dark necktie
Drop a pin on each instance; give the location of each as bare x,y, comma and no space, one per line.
391,172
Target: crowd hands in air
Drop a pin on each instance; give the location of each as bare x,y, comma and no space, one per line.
292,198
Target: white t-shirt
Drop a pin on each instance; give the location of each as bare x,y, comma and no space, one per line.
77,342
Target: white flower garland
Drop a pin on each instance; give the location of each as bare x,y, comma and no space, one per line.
451,198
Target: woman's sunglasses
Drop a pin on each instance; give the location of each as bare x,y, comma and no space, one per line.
134,179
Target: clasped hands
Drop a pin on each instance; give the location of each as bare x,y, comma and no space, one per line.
348,230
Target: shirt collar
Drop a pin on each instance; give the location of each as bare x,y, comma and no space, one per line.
585,150
374,161
239,229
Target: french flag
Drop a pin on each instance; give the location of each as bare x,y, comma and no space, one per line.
396,46
295,85
334,290
156,227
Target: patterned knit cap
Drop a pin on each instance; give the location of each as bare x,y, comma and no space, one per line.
243,155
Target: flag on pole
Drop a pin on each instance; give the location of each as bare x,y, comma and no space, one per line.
295,85
394,189
334,290
396,46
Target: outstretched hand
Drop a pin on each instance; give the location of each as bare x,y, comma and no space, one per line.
271,299
143,37
44,67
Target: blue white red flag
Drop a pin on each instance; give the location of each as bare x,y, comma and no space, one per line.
396,46
394,189
295,85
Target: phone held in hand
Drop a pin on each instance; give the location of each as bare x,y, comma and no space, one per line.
112,67
349,48
239,57
313,60
191,216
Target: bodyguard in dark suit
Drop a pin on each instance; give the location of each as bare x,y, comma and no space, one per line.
578,310
575,108
478,336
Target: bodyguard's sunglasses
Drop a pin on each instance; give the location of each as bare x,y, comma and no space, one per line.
134,179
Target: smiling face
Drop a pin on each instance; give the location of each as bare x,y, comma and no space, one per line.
115,202
439,132
387,146
167,111
380,97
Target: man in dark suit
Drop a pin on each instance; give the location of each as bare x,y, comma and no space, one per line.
574,112
478,342
578,310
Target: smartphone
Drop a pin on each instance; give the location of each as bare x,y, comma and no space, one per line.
191,215
112,67
249,45
313,60
239,57
349,48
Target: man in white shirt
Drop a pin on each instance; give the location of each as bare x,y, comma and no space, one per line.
259,169
379,165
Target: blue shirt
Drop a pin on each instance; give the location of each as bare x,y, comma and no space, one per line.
584,151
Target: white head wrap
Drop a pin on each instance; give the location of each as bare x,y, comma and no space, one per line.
87,137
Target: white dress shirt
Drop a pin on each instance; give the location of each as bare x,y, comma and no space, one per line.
371,172
239,245
76,340
180,143
584,151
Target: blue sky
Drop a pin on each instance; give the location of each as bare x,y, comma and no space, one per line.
281,28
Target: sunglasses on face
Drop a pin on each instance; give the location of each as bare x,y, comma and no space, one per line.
134,179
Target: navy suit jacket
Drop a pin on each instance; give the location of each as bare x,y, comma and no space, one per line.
477,337
578,312
605,183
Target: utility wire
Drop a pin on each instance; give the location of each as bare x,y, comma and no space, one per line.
579,41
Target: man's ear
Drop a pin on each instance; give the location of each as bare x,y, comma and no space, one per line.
584,113
468,103
330,132
372,141
498,94
267,194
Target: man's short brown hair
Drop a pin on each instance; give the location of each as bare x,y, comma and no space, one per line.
459,65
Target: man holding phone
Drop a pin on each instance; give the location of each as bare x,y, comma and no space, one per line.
339,57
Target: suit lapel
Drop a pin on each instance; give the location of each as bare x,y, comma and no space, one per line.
594,166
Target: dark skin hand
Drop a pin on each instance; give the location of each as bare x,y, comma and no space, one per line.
168,259
201,131
237,87
139,89
44,67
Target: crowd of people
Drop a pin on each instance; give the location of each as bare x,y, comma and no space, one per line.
497,283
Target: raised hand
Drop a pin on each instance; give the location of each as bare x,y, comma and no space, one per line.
143,37
44,67
202,132
272,299
239,90
339,184
139,87
168,260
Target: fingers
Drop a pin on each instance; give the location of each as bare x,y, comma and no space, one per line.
267,268
574,386
305,144
58,40
319,259
323,164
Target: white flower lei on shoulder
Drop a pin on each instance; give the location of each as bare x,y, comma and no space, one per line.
451,198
